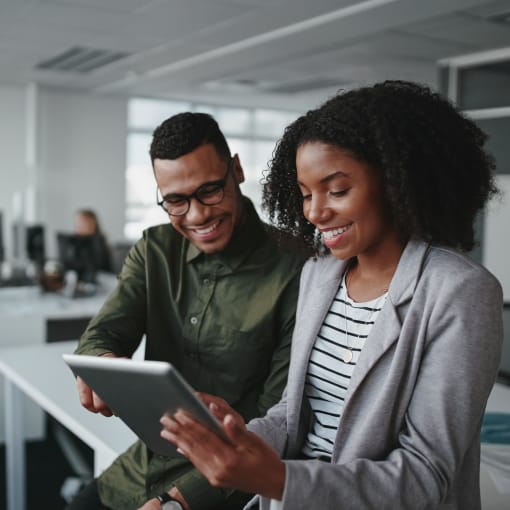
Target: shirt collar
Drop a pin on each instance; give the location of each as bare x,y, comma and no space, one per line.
246,238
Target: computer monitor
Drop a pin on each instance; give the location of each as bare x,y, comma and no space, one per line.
77,253
34,237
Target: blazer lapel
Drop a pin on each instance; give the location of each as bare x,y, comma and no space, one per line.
321,291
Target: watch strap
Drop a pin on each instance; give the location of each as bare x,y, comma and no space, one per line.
164,497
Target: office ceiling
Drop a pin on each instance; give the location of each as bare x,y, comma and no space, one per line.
278,52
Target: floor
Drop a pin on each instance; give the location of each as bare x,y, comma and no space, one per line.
47,469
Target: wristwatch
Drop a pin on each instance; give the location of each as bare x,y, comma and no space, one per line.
168,503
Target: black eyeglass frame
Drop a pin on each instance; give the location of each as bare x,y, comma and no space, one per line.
220,184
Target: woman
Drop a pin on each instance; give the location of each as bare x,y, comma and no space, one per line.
87,224
398,334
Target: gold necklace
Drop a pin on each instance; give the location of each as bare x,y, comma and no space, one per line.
348,354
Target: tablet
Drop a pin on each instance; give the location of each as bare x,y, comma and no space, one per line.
140,392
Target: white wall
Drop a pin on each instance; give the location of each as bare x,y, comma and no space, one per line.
78,161
82,158
13,172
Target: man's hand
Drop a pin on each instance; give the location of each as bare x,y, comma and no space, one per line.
91,400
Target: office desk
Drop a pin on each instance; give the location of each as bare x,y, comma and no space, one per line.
25,310
24,315
39,372
495,497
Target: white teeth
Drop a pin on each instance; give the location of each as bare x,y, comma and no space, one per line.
330,234
203,231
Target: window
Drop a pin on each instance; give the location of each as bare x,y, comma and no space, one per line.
251,133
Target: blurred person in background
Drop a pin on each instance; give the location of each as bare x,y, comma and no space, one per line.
86,223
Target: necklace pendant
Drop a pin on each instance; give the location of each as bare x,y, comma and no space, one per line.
347,356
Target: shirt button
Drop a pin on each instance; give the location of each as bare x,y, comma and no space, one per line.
206,281
194,321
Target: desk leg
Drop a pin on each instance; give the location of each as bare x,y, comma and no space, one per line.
15,447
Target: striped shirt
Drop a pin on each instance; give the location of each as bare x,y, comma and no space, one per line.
332,361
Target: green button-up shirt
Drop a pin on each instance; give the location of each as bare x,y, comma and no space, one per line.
224,320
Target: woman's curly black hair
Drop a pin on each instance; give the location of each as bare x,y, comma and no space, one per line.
435,171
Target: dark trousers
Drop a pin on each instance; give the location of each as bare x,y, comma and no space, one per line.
87,499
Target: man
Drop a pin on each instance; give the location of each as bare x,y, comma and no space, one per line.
214,294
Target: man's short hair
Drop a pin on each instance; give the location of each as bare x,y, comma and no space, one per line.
183,133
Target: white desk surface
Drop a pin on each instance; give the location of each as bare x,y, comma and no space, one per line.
25,302
494,483
499,399
24,312
40,372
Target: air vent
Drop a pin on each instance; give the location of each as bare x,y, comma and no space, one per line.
303,86
79,59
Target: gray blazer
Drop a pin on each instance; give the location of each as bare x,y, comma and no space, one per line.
409,434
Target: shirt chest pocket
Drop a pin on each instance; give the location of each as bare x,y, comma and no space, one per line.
229,362
230,349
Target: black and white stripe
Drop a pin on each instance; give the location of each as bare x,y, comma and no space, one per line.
345,327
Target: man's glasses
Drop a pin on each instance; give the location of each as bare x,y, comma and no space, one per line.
209,193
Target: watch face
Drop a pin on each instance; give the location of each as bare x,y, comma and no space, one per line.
172,505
